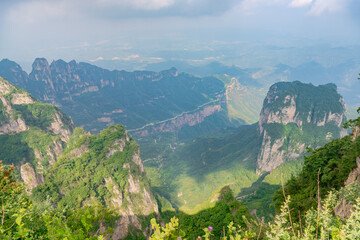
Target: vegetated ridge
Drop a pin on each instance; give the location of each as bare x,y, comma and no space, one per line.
70,170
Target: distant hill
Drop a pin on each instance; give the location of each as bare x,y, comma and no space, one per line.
214,68
343,75
96,97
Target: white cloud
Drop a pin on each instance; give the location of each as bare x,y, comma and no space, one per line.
131,57
300,3
101,42
35,11
115,58
318,7
321,6
97,59
157,58
251,4
85,44
151,4
139,4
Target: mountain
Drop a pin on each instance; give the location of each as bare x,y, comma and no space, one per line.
32,134
237,106
176,119
213,68
342,74
295,116
102,170
96,97
73,169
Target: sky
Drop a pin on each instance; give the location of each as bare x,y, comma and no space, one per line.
139,30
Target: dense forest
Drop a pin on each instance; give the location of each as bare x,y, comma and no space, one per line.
306,205
321,202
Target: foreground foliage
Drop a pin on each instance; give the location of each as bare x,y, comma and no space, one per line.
330,165
320,223
20,219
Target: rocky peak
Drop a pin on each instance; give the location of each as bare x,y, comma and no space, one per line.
61,67
41,73
13,66
172,71
12,70
41,65
43,128
291,113
299,103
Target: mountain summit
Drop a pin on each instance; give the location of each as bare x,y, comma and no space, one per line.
295,116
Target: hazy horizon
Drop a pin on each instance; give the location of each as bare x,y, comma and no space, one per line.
150,34
136,30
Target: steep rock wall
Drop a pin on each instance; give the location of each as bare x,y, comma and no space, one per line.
41,127
110,163
295,116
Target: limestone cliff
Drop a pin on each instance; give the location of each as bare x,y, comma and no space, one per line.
295,116
175,124
32,134
103,169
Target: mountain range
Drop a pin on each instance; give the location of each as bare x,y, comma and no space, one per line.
96,97
196,135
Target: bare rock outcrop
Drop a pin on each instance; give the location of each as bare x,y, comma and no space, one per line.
20,112
185,119
30,177
345,207
60,128
21,98
290,112
13,126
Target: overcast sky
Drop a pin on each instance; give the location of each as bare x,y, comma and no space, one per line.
87,30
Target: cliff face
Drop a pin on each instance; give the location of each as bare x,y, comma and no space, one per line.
175,124
346,204
295,116
38,129
103,169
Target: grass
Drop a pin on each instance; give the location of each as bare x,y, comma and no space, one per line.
285,171
202,166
